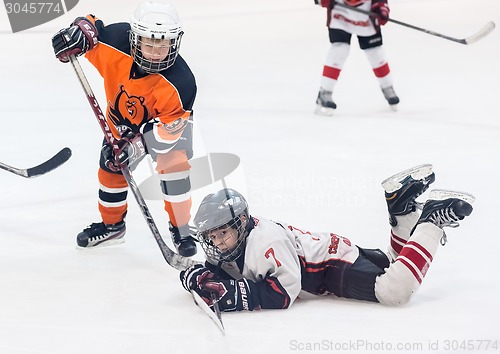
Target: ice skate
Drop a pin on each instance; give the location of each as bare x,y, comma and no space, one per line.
403,188
100,234
324,103
391,97
446,208
183,240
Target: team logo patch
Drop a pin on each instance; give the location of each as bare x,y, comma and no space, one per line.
128,110
176,126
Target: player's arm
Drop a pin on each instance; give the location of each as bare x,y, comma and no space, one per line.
161,134
277,288
173,109
281,283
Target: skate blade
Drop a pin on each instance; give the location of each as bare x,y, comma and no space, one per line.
394,107
443,194
393,183
324,111
113,242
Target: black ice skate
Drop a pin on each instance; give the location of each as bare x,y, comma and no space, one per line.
183,240
402,190
445,208
100,234
324,103
391,97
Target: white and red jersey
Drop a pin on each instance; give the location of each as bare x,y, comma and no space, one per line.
282,260
351,21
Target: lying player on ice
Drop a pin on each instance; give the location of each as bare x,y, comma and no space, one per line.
255,263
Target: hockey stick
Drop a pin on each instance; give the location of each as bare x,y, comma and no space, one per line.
52,163
215,316
483,32
173,259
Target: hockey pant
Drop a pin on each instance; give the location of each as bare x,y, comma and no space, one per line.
372,276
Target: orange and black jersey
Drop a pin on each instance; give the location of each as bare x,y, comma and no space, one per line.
159,104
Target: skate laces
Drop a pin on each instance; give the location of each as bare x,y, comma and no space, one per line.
445,217
442,218
100,230
96,229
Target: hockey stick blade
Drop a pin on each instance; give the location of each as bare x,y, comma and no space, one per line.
205,308
483,32
47,166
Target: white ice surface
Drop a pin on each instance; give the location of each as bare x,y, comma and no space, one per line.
258,66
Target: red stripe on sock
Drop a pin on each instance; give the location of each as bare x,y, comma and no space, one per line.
419,257
412,270
421,248
332,73
395,245
382,71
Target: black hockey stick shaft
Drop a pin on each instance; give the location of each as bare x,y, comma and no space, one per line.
47,166
173,259
473,38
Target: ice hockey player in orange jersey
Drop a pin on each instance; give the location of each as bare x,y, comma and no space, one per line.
150,92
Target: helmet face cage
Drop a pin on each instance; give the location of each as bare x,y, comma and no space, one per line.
213,252
156,45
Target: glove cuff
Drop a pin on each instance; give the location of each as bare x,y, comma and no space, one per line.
89,30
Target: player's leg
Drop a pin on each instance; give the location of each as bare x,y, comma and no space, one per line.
112,204
401,192
375,53
334,62
404,276
174,172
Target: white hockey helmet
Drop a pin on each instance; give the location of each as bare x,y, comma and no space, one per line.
155,30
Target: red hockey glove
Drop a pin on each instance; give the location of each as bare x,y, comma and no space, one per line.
231,295
381,9
79,38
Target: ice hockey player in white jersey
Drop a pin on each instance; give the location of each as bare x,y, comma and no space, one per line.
255,263
342,23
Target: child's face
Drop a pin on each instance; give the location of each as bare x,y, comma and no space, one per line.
155,50
224,238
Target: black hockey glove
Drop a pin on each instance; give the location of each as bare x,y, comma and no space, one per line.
194,277
79,38
231,295
132,151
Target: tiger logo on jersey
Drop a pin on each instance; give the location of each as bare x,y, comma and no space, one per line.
128,110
